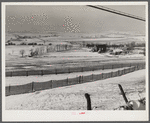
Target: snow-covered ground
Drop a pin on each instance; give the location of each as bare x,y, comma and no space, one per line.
105,94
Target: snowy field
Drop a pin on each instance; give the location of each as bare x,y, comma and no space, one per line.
105,95
73,58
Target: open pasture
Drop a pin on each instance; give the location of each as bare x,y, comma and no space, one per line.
71,58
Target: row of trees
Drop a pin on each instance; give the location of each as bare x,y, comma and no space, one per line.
132,44
42,50
37,51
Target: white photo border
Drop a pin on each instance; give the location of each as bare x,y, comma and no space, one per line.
59,115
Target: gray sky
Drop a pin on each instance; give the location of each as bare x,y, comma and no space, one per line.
79,19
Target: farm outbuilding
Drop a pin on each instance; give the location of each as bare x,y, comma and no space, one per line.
101,48
117,51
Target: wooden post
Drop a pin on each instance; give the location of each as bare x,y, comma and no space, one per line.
79,79
137,67
123,94
118,73
42,72
87,96
11,74
68,70
124,71
67,81
55,71
103,67
32,86
121,72
26,73
9,88
51,84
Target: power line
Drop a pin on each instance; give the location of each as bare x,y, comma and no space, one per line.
117,12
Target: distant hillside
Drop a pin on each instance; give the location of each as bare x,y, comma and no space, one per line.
59,36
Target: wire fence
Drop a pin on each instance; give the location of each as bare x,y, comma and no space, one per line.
69,69
37,86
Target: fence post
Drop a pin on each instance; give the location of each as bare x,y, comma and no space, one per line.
42,72
11,74
79,79
32,86
111,74
112,66
118,73
137,67
9,88
121,72
68,70
67,81
103,67
52,83
55,71
26,73
124,71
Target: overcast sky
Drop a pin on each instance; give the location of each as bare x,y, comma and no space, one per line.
79,19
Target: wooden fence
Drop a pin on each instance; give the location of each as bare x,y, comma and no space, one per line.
37,86
69,70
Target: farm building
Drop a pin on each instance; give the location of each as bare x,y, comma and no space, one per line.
116,51
100,48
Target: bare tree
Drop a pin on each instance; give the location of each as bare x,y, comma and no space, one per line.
22,52
37,51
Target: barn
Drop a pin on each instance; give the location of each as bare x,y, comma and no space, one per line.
101,48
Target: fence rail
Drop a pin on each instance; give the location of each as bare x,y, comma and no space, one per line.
69,70
36,86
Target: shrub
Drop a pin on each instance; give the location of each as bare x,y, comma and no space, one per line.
22,52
